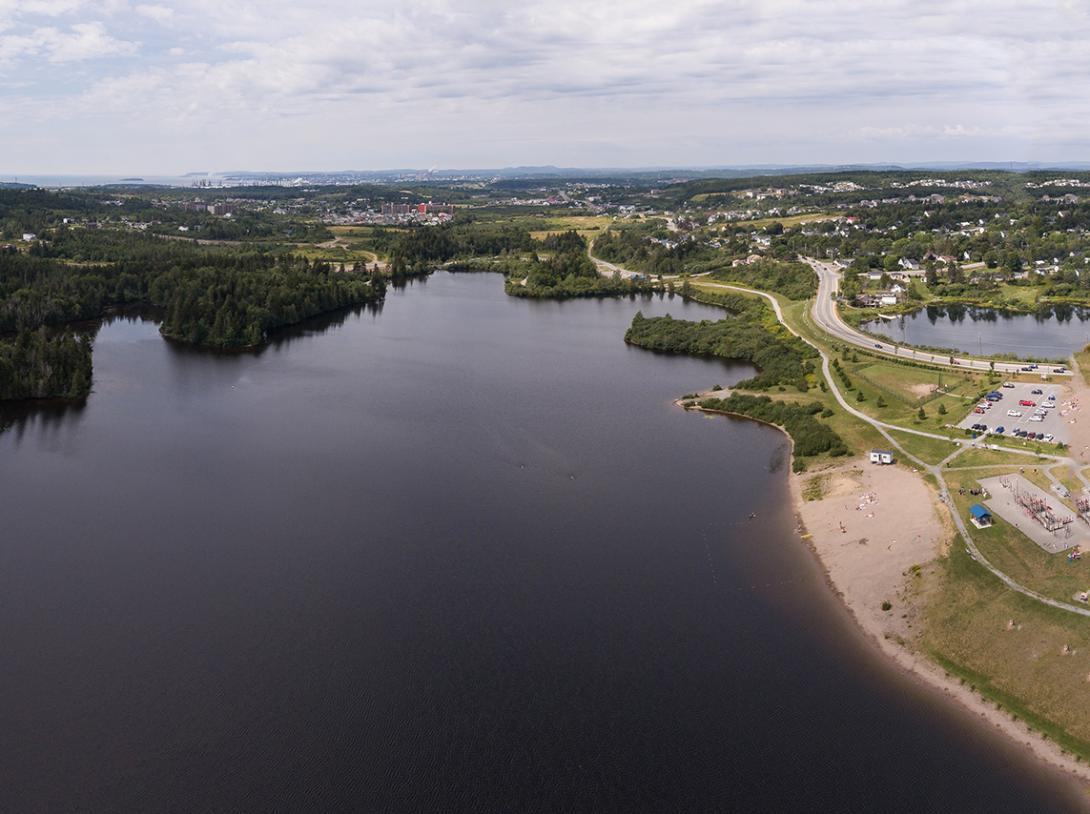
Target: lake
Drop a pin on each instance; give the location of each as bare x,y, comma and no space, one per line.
456,553
1053,333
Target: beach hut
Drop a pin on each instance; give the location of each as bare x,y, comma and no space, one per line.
980,516
881,456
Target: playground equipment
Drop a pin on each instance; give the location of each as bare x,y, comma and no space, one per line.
1038,509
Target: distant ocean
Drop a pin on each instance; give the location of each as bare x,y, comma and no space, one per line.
54,181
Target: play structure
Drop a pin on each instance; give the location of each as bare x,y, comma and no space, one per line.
1037,508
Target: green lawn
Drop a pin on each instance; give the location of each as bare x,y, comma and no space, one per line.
928,450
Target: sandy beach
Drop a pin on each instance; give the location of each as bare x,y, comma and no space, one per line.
876,531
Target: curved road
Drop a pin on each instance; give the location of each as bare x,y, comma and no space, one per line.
827,316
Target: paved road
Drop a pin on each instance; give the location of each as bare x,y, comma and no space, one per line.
827,316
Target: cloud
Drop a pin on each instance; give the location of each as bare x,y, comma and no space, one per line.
728,78
81,41
161,14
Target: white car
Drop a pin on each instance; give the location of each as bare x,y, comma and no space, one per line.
1036,418
1014,413
1048,405
1050,437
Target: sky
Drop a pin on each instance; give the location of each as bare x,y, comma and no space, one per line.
130,87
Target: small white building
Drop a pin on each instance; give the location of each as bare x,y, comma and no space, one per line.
29,237
887,299
880,456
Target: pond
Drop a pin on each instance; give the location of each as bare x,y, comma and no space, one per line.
1053,333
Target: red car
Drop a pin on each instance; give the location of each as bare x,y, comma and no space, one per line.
978,409
1028,403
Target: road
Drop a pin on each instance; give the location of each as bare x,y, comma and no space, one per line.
827,316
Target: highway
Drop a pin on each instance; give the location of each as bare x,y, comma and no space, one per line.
827,316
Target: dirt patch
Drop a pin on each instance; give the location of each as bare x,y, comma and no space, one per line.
922,391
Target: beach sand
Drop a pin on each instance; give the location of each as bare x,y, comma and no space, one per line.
870,529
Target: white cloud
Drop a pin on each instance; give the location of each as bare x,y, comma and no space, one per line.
161,14
692,81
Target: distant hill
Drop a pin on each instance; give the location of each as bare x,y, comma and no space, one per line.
15,185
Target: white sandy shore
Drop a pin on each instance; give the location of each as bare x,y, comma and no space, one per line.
897,515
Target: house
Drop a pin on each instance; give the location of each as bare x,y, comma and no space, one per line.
908,263
28,237
980,516
881,456
887,299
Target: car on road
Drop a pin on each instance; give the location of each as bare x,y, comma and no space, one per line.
1059,370
1014,413
877,344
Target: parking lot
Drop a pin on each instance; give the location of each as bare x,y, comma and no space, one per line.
1032,417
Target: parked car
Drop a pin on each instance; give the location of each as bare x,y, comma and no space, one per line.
1014,413
1036,418
1000,430
1048,405
978,410
1027,403
1008,385
1036,391
1049,437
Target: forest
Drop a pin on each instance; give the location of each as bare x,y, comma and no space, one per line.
219,297
566,271
35,365
747,335
795,280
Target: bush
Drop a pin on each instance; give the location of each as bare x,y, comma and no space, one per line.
811,437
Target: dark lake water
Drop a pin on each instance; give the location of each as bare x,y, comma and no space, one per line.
1054,333
459,554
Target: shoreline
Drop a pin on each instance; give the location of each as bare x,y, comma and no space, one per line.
871,626
917,665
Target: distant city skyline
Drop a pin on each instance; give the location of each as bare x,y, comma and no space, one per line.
166,88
